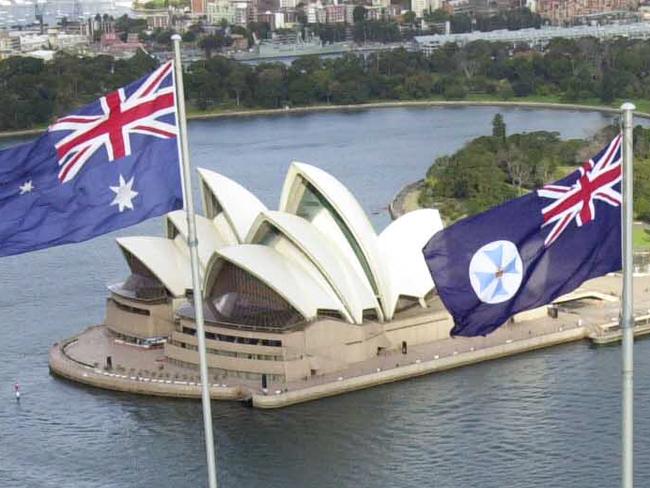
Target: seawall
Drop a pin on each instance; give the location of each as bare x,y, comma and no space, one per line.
509,348
64,366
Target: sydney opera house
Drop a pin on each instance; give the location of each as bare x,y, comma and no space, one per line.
292,293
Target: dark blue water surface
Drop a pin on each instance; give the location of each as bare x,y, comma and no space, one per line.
544,419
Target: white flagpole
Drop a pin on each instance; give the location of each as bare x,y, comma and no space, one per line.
194,258
627,315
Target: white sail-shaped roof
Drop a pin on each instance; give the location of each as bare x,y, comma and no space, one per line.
318,253
163,259
324,257
208,236
226,201
285,277
346,213
401,244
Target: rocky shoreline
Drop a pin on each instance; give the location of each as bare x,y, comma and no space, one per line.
398,205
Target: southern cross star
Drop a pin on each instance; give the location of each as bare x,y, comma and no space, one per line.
124,194
26,187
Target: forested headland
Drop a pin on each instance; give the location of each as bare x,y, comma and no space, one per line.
585,70
492,169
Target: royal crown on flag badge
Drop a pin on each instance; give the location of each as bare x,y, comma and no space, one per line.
596,180
121,116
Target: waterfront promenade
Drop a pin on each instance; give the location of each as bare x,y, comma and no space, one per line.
146,371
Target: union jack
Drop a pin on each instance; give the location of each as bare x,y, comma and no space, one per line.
121,117
596,180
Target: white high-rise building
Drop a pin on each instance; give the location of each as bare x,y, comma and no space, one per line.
316,13
420,7
220,10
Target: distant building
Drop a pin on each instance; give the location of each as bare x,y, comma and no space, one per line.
9,45
158,19
279,20
243,13
111,44
420,7
458,6
235,12
349,13
316,13
32,42
565,11
376,13
199,7
239,42
275,19
536,38
220,10
335,14
60,41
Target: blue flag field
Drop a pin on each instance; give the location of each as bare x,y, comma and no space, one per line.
109,165
527,252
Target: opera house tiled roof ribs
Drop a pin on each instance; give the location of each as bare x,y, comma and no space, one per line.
284,288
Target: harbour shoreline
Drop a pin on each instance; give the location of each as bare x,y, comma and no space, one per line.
371,105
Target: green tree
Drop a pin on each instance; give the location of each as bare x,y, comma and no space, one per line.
359,14
270,86
409,17
237,81
436,16
189,36
499,128
212,43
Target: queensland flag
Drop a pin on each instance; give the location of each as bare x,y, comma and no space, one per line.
109,165
528,251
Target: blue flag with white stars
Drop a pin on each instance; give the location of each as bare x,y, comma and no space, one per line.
529,251
109,165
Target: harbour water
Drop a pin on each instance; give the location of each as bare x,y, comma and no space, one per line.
548,418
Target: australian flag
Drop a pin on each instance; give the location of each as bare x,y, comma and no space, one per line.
528,251
109,165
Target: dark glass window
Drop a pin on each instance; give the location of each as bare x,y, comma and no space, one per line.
142,283
239,298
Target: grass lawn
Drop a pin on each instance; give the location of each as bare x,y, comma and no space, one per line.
640,237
